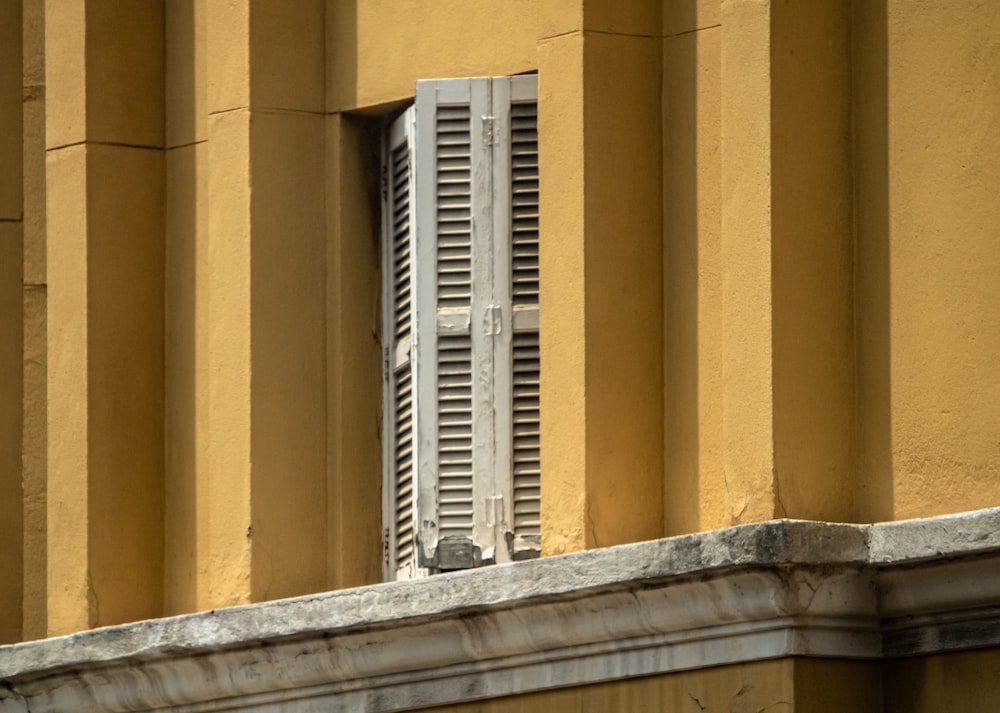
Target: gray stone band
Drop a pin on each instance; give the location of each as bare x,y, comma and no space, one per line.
753,592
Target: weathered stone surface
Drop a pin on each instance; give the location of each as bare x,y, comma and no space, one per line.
768,590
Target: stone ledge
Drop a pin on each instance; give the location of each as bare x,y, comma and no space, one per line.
767,590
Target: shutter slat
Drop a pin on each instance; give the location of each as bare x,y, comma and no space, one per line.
403,405
454,412
524,203
524,291
526,460
526,428
454,207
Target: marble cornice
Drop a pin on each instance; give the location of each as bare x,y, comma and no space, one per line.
761,591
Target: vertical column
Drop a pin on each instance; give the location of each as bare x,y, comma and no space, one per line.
694,494
11,386
601,304
353,355
266,263
787,367
186,326
34,441
104,184
812,260
746,260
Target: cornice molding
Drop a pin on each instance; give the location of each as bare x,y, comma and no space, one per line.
753,592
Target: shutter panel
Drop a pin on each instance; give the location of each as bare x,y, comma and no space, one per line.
399,509
462,307
452,398
525,357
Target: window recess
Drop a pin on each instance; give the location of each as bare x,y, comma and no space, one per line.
460,327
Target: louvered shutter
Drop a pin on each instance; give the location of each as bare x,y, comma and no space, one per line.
454,402
525,358
470,495
516,288
399,416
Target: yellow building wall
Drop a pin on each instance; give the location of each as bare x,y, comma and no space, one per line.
964,681
928,331
11,318
801,685
768,277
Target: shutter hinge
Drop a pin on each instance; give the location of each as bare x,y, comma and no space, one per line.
493,321
489,131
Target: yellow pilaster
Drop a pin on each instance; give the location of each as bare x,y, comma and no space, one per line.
787,346
694,476
34,440
104,184
266,261
601,291
353,385
186,332
11,311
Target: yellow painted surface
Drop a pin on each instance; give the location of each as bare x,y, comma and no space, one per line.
11,319
833,686
287,342
353,354
964,681
376,50
747,345
812,261
682,16
67,501
927,257
871,179
11,184
692,284
33,463
749,688
601,296
562,294
124,71
941,287
185,73
229,396
623,291
33,441
186,333
11,507
186,326
124,408
34,141
105,328
287,54
65,73
767,256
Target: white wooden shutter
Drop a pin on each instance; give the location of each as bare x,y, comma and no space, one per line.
453,400
516,287
526,357
399,417
471,409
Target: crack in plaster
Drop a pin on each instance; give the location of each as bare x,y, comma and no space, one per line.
691,32
591,525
